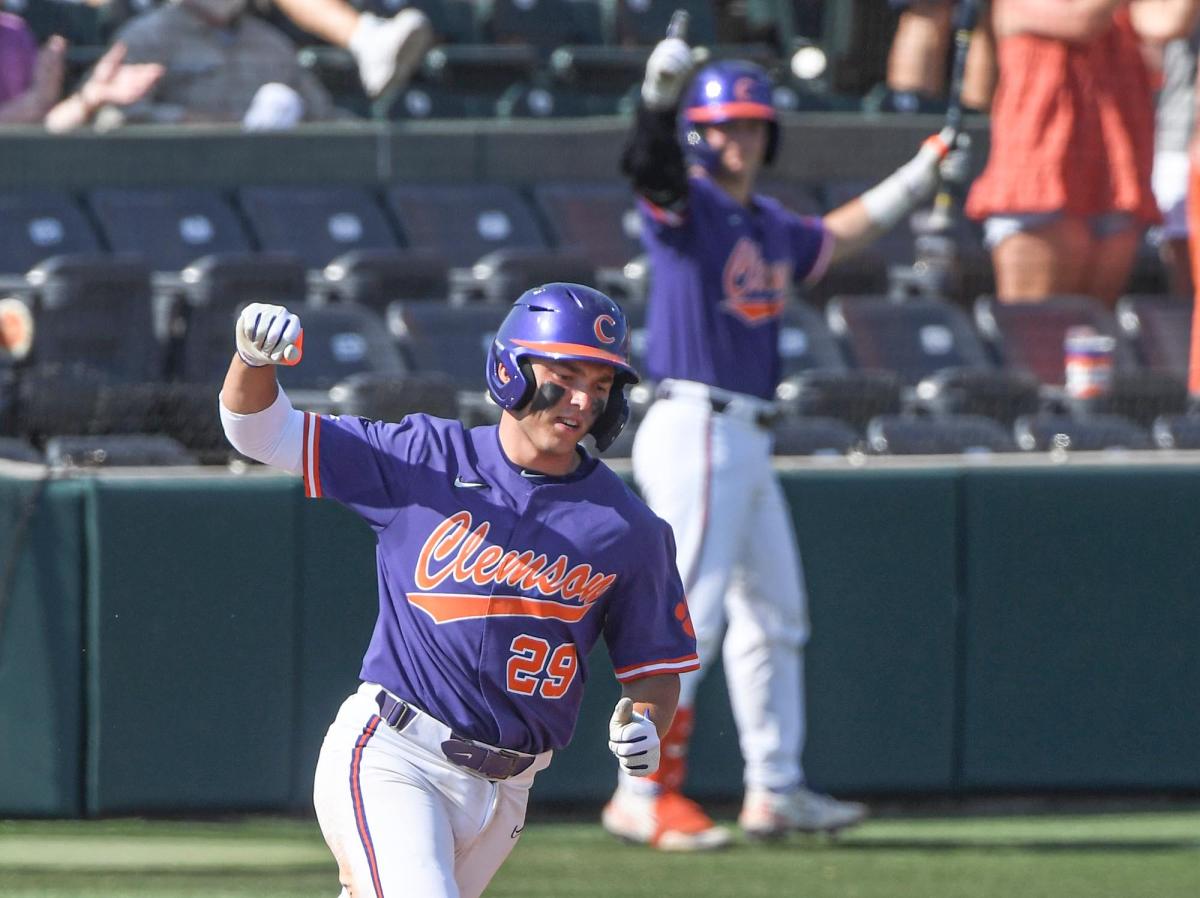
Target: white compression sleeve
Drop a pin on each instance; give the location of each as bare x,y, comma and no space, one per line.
274,436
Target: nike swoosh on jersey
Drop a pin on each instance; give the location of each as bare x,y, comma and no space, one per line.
469,484
517,830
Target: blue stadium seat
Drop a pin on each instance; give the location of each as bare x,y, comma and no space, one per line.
318,224
1159,329
38,224
464,222
937,435
169,227
598,219
1087,433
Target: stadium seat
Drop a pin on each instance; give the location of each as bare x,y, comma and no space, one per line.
115,451
504,274
599,220
51,399
931,345
850,396
38,224
913,338
480,69
810,435
318,224
1046,431
806,342
606,70
1029,335
186,413
17,449
229,280
168,227
376,277
1176,431
340,341
544,24
453,340
644,24
936,435
447,338
1159,329
421,100
95,308
214,288
389,397
464,222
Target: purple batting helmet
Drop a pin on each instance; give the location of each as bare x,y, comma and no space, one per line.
562,321
723,92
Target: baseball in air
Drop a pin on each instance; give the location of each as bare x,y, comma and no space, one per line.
809,62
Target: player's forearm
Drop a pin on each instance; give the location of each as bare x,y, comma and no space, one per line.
852,230
652,158
659,695
248,389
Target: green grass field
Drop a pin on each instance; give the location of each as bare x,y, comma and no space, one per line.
1097,855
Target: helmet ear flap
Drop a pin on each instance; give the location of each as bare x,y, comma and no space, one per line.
529,381
610,424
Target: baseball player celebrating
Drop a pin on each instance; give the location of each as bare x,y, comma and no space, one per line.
504,553
724,260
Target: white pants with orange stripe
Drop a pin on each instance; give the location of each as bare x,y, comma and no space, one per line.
709,475
400,819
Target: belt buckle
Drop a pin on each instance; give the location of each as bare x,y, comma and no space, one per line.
494,763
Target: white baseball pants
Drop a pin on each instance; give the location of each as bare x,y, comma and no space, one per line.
709,475
400,819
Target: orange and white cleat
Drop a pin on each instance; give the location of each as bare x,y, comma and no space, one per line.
667,821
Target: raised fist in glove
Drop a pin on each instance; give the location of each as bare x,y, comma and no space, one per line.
268,335
667,71
633,738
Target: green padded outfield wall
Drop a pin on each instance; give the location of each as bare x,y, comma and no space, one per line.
177,644
41,647
1081,650
191,643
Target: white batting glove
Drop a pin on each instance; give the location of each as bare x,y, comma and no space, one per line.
268,335
912,183
667,70
633,739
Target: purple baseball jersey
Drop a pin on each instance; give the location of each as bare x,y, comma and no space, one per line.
495,582
722,273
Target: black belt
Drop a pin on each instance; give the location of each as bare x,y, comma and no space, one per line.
494,763
765,420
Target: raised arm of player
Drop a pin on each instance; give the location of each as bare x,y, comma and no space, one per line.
859,222
652,158
257,416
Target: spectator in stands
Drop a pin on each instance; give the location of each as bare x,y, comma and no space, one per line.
31,80
221,66
1174,123
919,57
387,51
1066,192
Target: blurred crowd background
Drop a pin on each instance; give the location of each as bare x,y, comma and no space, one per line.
1052,313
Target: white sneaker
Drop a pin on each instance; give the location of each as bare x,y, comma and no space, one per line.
389,50
767,814
666,821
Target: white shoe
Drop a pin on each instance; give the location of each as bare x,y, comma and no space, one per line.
666,821
389,50
767,814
